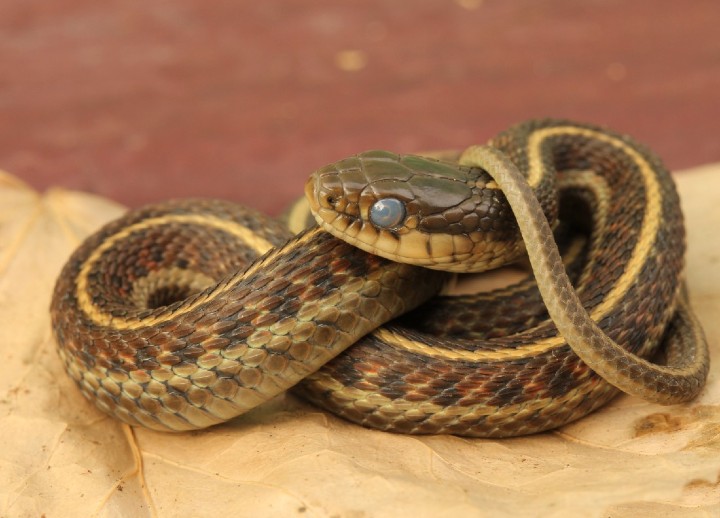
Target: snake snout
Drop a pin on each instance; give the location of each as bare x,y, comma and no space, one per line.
310,191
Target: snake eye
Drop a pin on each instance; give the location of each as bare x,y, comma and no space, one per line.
388,212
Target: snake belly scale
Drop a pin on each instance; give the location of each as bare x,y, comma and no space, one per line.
185,314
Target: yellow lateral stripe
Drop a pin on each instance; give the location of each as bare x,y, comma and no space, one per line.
429,409
649,229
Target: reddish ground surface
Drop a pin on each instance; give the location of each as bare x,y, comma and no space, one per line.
141,101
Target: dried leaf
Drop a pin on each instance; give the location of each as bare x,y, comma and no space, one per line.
59,456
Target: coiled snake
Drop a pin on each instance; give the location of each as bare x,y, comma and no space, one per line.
167,318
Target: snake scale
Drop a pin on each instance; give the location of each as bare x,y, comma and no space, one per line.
185,314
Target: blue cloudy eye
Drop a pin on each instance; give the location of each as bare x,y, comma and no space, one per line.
387,213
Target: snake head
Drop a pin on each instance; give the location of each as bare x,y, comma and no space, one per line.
415,210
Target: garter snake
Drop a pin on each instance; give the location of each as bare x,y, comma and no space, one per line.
166,318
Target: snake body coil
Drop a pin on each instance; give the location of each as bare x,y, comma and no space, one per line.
165,317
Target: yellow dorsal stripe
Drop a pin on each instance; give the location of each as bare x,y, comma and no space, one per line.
648,231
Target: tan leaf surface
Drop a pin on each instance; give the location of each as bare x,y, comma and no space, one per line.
61,457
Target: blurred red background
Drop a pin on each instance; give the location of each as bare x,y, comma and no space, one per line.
142,101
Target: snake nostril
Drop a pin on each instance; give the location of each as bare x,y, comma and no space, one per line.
330,200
